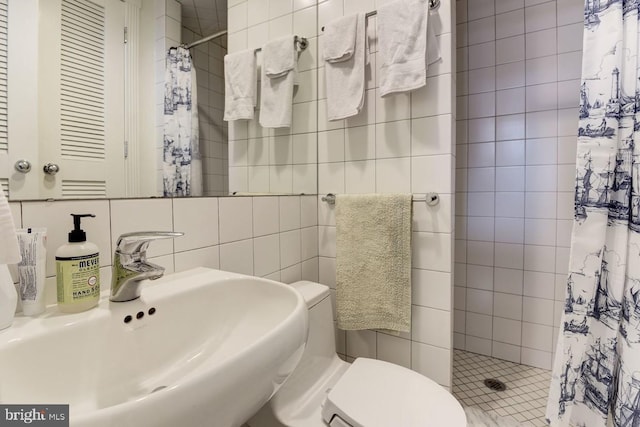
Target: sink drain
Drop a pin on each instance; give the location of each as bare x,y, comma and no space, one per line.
158,388
495,385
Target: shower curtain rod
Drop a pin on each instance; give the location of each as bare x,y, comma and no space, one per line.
206,39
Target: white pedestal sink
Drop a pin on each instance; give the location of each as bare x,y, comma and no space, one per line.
214,351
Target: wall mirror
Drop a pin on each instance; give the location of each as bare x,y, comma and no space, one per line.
82,103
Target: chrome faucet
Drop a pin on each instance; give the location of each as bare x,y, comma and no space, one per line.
130,265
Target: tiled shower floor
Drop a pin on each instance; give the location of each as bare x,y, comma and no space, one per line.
523,401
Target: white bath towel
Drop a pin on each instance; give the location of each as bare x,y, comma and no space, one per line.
345,66
279,60
240,85
373,261
402,45
340,39
9,249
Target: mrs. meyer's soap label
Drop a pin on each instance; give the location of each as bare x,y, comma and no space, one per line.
83,273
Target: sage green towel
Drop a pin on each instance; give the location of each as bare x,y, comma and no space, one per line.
373,261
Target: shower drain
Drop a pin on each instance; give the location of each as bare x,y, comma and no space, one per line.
495,385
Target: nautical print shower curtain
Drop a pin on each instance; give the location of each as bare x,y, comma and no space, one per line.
180,149
596,374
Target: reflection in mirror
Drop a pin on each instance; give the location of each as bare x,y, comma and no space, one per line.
281,160
86,93
203,31
86,90
71,113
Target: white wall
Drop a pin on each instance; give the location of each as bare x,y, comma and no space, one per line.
263,236
400,144
518,79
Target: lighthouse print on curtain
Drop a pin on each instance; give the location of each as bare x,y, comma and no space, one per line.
596,375
177,150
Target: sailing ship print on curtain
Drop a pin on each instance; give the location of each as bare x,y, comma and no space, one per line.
180,125
596,375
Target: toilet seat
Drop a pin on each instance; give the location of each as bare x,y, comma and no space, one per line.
373,393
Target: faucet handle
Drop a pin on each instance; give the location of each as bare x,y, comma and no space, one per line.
130,264
137,242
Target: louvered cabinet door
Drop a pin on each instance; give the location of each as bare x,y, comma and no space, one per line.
81,97
5,164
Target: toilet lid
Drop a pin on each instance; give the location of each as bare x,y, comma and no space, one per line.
373,393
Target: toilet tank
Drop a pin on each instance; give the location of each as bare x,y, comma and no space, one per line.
321,341
301,396
308,381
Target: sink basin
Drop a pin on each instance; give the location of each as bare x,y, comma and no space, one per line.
214,351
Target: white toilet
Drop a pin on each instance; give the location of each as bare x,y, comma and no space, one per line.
324,390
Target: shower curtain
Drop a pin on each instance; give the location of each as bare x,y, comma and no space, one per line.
181,161
596,374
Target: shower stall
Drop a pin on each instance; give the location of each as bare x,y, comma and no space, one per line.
518,94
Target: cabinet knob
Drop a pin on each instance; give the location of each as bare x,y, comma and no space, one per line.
51,168
23,166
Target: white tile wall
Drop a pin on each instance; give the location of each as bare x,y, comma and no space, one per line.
402,143
240,234
278,160
518,78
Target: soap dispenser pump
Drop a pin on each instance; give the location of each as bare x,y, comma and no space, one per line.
78,270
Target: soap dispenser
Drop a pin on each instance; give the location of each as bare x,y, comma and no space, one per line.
78,271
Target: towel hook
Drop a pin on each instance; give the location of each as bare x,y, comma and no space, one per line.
329,198
303,43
